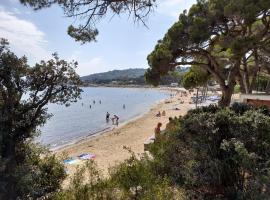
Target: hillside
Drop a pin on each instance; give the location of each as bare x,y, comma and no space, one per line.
130,76
115,75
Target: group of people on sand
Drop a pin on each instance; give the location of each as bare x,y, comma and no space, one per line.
169,127
115,119
159,114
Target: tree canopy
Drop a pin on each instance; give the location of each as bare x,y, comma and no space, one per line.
91,11
25,91
195,77
229,39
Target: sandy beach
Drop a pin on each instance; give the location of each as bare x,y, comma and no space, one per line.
108,146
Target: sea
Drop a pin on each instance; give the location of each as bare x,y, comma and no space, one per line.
87,117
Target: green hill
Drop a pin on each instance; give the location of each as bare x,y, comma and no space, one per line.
126,75
131,76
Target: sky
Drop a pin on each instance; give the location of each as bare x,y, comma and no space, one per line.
121,43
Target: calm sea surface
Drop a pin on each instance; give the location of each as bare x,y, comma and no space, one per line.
73,123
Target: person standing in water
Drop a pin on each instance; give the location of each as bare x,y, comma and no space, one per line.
107,117
94,102
124,106
116,119
99,101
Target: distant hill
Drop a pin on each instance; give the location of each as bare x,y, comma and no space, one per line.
115,75
131,76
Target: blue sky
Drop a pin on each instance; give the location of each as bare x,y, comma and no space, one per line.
120,44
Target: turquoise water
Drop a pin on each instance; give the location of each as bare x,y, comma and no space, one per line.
73,123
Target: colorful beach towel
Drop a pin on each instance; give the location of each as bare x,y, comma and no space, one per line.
87,156
71,161
213,98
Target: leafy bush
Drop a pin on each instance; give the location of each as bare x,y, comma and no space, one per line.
136,180
218,154
131,180
240,108
87,184
40,176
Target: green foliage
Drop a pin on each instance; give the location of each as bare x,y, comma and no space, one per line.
160,59
196,77
133,179
210,37
240,108
88,184
38,177
89,12
25,91
236,89
136,180
218,154
262,82
83,34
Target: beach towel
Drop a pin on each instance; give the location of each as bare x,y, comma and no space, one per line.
87,156
213,98
152,137
71,161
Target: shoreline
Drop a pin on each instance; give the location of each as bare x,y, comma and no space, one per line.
108,145
108,129
105,130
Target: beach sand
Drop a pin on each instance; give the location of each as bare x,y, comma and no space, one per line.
108,147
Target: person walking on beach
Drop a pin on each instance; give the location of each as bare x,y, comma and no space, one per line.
107,117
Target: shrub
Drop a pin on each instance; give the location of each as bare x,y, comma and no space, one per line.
136,180
40,176
218,154
87,184
133,179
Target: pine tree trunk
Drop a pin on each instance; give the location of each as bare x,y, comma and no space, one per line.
226,96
